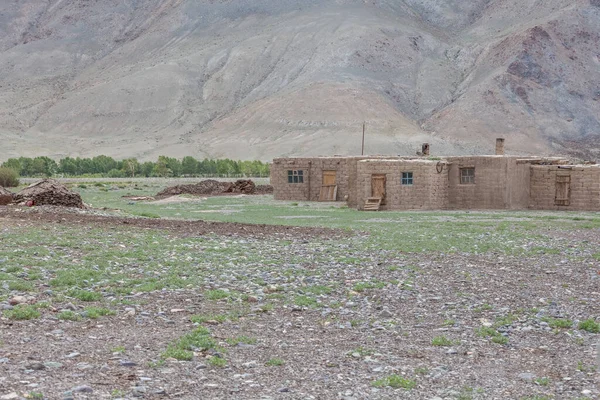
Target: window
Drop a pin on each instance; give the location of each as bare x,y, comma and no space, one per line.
407,178
295,176
467,176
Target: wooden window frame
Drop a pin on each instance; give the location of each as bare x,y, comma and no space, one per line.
407,179
295,176
467,178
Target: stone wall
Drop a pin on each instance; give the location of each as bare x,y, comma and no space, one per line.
500,183
313,168
429,190
584,187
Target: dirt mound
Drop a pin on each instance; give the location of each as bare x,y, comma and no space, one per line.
210,187
49,192
6,197
264,189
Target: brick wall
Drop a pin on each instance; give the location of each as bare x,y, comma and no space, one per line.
584,185
313,168
429,190
500,183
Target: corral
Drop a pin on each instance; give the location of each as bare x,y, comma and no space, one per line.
430,183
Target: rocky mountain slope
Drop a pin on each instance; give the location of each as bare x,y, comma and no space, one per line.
263,78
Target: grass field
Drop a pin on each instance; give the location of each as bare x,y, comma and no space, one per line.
458,305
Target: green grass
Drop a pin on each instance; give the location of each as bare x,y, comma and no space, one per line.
318,289
118,350
362,286
590,325
97,312
20,286
275,362
218,362
558,323
183,349
542,381
362,351
396,382
240,339
441,341
68,315
306,301
85,295
433,231
22,312
489,332
217,294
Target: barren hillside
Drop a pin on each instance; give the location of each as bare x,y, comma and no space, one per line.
264,78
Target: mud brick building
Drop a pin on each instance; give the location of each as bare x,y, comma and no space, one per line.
433,183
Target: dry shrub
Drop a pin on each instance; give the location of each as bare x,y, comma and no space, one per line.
9,177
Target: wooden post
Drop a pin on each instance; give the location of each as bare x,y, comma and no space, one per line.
362,152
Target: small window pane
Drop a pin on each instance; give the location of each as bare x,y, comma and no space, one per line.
296,176
467,176
407,178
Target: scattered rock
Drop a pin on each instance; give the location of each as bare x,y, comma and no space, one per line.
82,389
17,300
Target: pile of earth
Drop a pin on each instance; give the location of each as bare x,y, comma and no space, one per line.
6,197
211,187
48,192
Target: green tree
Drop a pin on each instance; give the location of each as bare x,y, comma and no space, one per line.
131,166
189,166
13,164
161,168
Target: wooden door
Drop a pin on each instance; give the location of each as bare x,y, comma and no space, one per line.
328,187
378,187
329,178
563,190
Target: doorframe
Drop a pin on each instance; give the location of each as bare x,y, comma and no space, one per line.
384,176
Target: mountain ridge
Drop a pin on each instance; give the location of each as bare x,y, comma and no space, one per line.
266,78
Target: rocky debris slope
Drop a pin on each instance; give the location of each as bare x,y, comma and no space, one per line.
49,192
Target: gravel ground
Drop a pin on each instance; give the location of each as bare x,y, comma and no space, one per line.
291,313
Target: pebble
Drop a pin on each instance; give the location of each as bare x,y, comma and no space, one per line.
211,386
385,314
9,396
127,363
73,355
526,376
250,364
35,366
52,364
17,300
82,389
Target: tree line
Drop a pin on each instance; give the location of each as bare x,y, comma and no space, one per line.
104,166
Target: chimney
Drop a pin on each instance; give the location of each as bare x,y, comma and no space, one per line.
425,149
500,146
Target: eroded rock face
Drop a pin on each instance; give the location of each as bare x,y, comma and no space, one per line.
282,77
